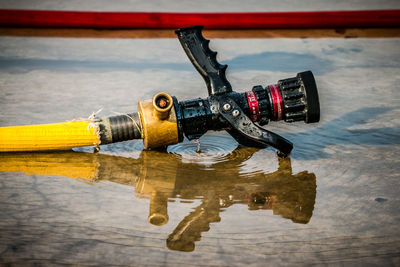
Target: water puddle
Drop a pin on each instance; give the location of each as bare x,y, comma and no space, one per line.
214,178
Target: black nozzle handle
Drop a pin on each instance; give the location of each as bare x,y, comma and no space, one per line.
245,131
204,60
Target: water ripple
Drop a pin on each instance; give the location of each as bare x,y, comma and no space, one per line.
215,148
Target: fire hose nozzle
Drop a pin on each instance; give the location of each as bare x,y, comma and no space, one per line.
159,121
163,121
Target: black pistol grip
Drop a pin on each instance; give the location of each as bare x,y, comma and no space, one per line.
246,132
204,60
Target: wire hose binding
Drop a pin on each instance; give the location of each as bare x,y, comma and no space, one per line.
125,127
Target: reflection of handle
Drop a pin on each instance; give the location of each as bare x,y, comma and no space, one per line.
204,60
190,228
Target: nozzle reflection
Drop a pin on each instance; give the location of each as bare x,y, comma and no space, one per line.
159,176
158,209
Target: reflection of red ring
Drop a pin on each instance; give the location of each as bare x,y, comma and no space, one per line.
276,101
253,105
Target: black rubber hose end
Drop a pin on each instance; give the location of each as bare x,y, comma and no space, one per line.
125,127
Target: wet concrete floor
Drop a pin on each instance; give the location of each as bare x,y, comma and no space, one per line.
335,200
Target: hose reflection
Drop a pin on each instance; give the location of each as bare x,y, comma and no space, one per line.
160,176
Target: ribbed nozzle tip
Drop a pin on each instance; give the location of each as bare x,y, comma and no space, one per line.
312,102
300,98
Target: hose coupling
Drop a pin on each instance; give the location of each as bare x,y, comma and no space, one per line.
158,120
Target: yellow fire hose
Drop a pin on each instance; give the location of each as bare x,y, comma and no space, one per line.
55,136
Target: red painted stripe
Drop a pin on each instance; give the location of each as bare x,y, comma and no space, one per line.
253,106
277,102
151,20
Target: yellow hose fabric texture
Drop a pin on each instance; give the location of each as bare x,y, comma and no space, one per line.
55,136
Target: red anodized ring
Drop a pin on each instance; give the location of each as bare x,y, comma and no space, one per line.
276,101
253,106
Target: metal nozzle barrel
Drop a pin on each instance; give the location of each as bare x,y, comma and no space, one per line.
292,99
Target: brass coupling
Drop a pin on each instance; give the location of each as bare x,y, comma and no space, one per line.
159,122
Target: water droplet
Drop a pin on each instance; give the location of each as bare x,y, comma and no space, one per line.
198,149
